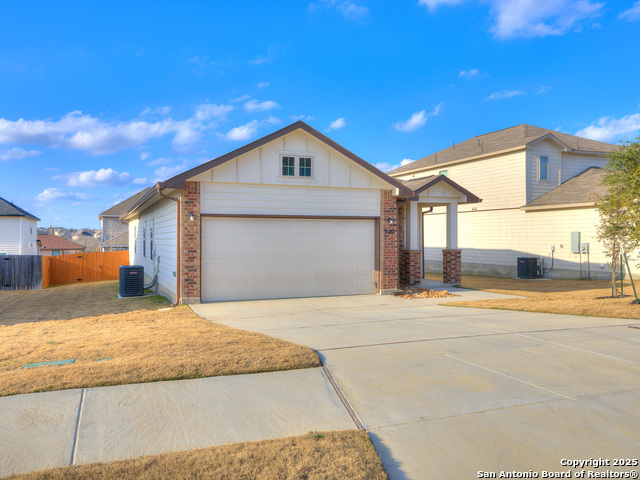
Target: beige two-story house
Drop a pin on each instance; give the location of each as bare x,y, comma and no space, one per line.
537,188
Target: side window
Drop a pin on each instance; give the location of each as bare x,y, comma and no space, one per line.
151,255
543,168
444,172
135,239
144,239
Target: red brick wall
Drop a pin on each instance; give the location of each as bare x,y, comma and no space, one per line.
388,242
409,267
190,243
452,266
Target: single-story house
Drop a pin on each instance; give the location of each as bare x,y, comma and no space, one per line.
18,230
115,235
292,214
51,245
537,187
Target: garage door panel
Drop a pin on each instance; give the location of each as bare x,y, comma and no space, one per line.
250,258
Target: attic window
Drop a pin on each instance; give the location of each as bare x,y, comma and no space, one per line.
293,164
444,172
543,168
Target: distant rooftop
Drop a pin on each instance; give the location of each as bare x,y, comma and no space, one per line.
123,206
8,209
512,137
54,242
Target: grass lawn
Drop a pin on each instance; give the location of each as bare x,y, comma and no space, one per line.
322,456
572,297
124,341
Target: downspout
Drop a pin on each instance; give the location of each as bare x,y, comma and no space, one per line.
177,200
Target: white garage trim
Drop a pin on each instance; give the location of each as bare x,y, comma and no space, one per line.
259,257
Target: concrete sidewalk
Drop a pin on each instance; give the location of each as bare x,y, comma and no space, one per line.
70,427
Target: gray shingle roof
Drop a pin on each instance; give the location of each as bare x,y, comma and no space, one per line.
512,137
579,189
8,209
124,205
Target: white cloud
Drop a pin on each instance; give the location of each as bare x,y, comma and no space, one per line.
274,120
474,72
267,58
540,18
158,111
262,85
207,111
93,178
417,120
144,156
543,90
433,4
609,129
505,94
243,132
533,18
305,118
632,13
164,173
17,153
51,194
255,106
141,181
387,167
349,10
160,161
241,98
337,124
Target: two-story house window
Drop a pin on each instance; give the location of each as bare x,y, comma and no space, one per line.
144,239
543,168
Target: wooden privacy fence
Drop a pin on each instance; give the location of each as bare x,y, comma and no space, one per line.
80,268
20,272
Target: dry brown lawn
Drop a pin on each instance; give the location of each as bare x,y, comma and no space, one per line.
340,455
124,341
572,297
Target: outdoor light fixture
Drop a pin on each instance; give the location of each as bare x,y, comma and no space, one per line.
191,217
391,221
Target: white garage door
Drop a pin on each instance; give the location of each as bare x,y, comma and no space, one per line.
253,258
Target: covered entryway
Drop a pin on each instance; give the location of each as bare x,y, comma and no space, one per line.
262,258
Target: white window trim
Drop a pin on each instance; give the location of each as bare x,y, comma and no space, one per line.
296,166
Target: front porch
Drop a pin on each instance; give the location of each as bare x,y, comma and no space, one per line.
430,192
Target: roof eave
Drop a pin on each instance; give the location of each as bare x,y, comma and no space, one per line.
557,206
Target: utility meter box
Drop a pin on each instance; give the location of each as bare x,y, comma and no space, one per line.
575,242
584,248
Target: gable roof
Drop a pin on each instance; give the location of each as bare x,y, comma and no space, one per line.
8,209
178,182
576,191
54,242
417,185
507,139
124,205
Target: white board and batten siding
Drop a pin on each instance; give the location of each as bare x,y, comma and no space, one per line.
163,215
18,236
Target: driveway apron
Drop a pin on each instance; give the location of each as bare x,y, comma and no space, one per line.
448,392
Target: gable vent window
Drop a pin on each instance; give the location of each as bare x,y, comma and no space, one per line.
293,166
543,168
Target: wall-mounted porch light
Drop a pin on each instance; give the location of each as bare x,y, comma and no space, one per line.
391,221
192,217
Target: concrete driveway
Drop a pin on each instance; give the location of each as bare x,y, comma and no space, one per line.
448,392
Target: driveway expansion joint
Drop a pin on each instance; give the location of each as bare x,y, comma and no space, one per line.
74,449
344,400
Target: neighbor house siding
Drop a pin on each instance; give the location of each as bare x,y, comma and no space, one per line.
163,214
221,198
491,241
535,187
573,165
497,181
111,227
18,236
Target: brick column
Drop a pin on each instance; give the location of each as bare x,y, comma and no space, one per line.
452,266
190,243
388,243
409,267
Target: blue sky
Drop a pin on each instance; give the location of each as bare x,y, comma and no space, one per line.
98,101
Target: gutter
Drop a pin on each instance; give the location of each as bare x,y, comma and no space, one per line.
159,187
